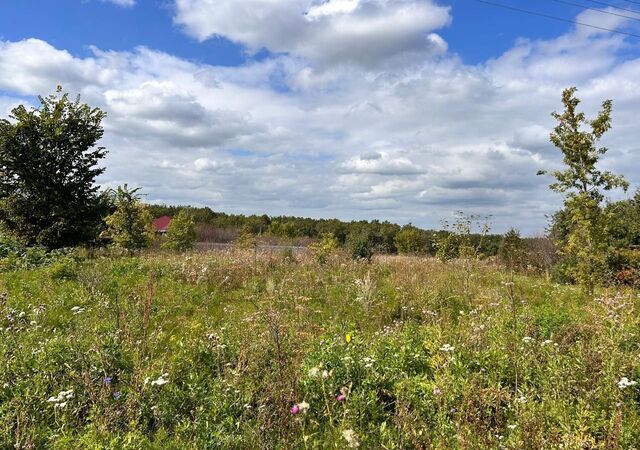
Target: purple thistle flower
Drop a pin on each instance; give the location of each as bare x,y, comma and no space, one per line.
295,409
341,397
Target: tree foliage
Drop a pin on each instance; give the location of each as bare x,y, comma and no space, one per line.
130,226
181,234
583,183
48,166
411,240
513,250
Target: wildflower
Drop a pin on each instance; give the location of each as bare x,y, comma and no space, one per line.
326,374
437,391
304,406
547,342
161,380
77,310
314,372
625,383
347,338
295,409
341,397
512,426
351,437
60,401
447,348
117,395
527,339
107,381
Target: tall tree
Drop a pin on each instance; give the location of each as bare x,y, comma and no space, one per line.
583,184
48,166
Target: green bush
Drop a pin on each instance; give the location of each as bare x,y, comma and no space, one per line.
181,235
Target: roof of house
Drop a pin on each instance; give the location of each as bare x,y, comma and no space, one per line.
161,223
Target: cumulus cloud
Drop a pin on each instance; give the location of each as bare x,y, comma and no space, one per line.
365,32
405,143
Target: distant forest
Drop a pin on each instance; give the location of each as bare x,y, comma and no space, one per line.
215,226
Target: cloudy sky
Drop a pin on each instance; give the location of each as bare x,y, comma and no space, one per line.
400,110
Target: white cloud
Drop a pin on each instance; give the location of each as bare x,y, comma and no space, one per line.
123,3
365,32
411,143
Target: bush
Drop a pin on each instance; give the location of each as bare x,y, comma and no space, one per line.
181,235
64,268
323,248
360,245
411,240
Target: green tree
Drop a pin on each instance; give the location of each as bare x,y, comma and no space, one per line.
324,247
411,240
583,184
130,226
48,166
361,243
181,234
513,251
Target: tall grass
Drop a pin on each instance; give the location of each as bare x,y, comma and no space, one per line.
212,350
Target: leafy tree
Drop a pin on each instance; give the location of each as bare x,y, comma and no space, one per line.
411,240
583,184
324,247
130,226
181,234
361,244
246,239
513,250
48,166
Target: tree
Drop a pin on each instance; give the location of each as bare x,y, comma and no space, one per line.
130,226
583,185
512,252
411,240
181,234
48,166
324,247
361,243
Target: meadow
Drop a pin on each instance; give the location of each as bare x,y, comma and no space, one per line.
238,350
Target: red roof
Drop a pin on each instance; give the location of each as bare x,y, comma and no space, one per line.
161,224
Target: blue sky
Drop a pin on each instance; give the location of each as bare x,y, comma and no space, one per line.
401,110
478,31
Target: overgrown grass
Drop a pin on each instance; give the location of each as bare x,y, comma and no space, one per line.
221,350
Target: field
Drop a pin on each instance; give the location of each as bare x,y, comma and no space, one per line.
233,350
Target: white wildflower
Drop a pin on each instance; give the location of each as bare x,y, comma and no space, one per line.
527,339
547,342
304,406
314,372
512,426
162,379
625,383
351,437
447,348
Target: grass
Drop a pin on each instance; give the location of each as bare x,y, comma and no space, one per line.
221,350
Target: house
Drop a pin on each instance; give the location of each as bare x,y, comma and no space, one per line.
161,224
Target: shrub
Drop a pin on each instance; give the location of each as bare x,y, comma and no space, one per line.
181,235
323,248
360,245
411,240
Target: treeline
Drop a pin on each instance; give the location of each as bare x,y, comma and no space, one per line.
383,236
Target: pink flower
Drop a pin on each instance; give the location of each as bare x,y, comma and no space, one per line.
341,397
295,409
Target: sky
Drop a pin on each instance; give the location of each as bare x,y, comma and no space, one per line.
399,110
